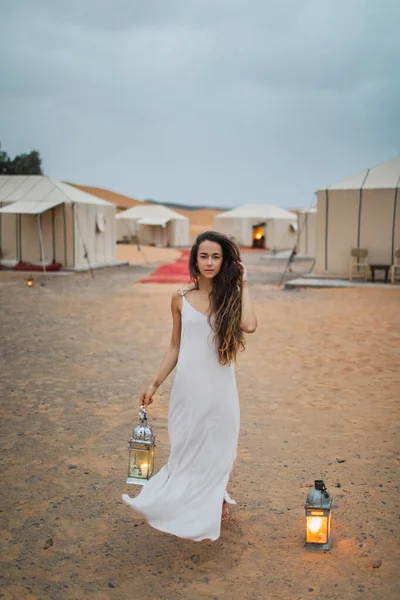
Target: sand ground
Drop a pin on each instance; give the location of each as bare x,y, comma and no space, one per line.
144,255
319,380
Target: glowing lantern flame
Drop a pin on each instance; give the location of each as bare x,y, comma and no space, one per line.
314,524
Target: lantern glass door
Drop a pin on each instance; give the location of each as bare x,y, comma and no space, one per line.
318,526
151,460
139,463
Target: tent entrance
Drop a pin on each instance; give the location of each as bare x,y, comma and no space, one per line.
259,235
27,212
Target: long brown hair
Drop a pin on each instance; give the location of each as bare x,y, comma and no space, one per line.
225,296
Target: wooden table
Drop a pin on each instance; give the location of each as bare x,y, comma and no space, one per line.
379,267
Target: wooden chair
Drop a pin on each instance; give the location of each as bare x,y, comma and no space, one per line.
359,265
395,268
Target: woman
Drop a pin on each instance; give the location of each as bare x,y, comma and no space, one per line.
188,496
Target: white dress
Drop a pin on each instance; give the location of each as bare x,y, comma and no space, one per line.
185,497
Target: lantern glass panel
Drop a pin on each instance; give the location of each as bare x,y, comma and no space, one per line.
318,525
140,464
151,461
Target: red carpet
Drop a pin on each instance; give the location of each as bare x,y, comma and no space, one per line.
22,266
176,272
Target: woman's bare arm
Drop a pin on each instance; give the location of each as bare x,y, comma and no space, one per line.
248,322
170,358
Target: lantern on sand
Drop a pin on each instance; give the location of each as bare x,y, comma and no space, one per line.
141,451
30,281
318,517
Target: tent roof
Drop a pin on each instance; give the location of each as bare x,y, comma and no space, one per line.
153,221
38,189
386,175
258,211
152,213
22,207
310,209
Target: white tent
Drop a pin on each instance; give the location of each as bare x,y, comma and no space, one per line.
361,211
46,221
259,225
307,232
153,224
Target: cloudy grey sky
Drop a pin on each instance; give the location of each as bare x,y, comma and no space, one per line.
214,102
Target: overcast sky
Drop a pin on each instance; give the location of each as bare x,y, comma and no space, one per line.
212,102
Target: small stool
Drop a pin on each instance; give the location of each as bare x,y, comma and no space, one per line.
377,267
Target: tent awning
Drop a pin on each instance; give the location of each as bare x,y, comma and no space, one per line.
153,221
24,207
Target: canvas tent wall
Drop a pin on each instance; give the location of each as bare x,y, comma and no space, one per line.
362,211
69,219
279,225
153,224
307,232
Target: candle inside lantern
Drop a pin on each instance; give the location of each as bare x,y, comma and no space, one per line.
144,467
316,527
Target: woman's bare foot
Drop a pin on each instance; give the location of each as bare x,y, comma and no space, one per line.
225,511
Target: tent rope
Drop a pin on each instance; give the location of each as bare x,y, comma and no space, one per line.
294,249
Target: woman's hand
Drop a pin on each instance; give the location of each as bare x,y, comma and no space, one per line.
146,397
244,272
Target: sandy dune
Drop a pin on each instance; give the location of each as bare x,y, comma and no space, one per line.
122,202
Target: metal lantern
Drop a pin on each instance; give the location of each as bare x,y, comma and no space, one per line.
30,281
141,451
318,517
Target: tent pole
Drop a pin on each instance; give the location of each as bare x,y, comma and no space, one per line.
1,225
294,251
20,236
326,228
394,217
16,238
306,224
54,234
86,253
360,209
65,236
73,235
39,218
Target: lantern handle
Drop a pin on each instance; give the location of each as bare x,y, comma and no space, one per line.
320,485
143,413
